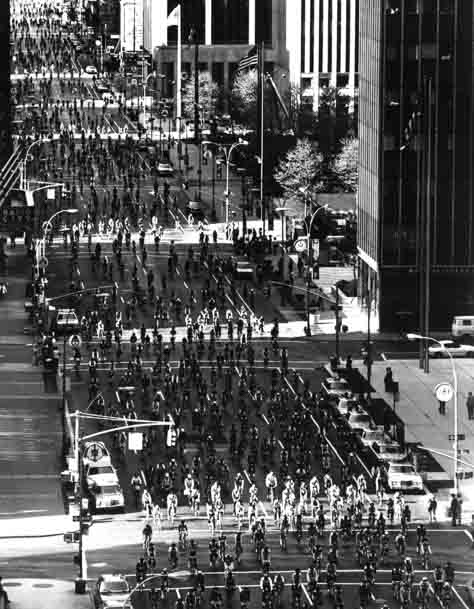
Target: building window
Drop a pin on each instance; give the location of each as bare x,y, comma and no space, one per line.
192,15
230,21
323,81
218,73
342,80
263,21
232,70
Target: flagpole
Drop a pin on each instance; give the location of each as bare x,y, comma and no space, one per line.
179,72
261,70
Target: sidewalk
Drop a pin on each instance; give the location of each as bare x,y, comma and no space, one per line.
45,594
418,408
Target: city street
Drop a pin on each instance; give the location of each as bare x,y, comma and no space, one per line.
154,297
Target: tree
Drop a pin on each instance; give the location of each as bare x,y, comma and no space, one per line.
209,96
244,97
301,172
345,167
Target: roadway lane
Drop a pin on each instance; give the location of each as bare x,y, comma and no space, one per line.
30,419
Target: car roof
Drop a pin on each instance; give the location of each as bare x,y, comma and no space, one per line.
113,577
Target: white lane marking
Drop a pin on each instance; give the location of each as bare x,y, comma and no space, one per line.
99,564
383,356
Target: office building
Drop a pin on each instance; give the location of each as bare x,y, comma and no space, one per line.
225,29
415,200
322,41
131,25
5,114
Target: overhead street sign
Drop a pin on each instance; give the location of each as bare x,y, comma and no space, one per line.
444,392
94,451
300,245
461,436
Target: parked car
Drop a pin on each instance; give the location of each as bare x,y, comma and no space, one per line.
336,387
454,348
346,404
106,497
165,168
376,436
360,421
112,592
389,451
90,70
102,473
403,476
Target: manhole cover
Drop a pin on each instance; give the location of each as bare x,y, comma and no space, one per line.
42,586
11,584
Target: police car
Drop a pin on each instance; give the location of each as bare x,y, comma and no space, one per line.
67,321
112,591
106,497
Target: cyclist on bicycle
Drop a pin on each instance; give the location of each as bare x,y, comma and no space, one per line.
192,557
408,569
171,505
164,583
266,586
397,577
182,534
173,555
213,552
400,543
364,593
449,572
244,597
423,593
446,595
420,535
147,535
265,557
438,580
405,594
228,563
425,552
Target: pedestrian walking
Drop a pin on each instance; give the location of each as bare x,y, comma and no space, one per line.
388,380
454,510
470,406
432,506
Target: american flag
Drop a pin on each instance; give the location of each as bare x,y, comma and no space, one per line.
251,59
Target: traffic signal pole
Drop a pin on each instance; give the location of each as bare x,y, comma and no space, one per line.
78,441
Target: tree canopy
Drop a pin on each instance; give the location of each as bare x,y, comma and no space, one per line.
209,95
301,172
345,167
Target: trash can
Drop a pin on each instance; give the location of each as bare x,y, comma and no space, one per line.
80,587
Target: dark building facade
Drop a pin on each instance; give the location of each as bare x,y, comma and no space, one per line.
415,202
5,68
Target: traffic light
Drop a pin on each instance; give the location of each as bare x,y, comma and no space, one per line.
76,560
85,528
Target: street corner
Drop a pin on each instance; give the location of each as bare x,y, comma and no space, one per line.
45,594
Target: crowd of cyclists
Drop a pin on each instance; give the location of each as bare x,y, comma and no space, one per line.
289,476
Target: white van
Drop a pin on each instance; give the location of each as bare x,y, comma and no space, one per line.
463,325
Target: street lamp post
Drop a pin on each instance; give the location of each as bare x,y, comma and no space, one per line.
145,82
412,336
23,163
41,243
309,254
228,155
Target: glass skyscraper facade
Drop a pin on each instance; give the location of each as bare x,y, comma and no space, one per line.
411,202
